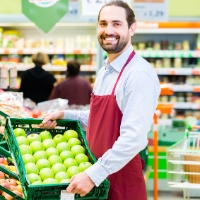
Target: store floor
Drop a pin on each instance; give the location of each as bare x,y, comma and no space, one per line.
169,196
166,196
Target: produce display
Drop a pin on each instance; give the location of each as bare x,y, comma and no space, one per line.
8,182
51,160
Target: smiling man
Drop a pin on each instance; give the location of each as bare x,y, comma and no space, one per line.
121,111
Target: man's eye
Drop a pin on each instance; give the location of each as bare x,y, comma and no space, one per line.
102,24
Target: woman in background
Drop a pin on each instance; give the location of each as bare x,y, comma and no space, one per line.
36,83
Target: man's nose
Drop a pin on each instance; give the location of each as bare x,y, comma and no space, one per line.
109,29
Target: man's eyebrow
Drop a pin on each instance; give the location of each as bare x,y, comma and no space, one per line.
112,21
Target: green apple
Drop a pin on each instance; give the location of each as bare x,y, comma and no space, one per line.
48,143
73,171
37,146
61,175
73,141
37,183
45,135
84,165
31,168
81,158
19,132
52,151
58,167
70,162
27,158
70,134
66,154
50,181
77,149
39,155
25,149
33,177
54,159
33,137
63,146
46,173
43,163
22,140
59,138
65,181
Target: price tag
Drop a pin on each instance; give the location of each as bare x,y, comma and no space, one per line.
151,10
92,7
66,196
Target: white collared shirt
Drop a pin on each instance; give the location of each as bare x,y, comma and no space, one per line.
137,95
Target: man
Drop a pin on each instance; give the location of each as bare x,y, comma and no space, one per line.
122,106
65,89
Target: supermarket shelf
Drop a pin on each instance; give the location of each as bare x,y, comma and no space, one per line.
169,53
183,172
185,88
184,105
23,67
144,53
184,185
46,50
175,71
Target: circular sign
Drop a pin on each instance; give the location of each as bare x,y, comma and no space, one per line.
43,3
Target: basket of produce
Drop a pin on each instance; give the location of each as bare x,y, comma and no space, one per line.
10,187
46,160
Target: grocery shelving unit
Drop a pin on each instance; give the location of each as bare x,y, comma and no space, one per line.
66,40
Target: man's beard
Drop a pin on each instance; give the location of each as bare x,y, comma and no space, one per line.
113,48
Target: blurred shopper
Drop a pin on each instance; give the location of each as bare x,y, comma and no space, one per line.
74,88
36,83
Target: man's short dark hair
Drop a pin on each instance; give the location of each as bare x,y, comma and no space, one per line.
130,16
73,68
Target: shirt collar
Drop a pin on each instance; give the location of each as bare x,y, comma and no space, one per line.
119,62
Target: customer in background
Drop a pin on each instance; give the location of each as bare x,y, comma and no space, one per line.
74,88
36,83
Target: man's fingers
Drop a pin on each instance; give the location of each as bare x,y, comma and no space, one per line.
70,188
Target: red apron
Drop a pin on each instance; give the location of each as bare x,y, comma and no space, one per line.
103,130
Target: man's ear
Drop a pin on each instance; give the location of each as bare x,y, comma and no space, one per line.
132,29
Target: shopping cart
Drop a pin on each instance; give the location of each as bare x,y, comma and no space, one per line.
183,162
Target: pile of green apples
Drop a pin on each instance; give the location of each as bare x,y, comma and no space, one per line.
51,160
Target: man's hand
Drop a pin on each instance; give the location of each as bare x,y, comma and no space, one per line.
80,184
49,121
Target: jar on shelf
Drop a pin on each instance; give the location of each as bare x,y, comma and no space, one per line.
180,97
173,99
164,45
170,45
177,62
186,45
167,62
156,46
189,97
158,63
178,46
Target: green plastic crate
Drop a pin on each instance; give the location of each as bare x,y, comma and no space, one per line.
51,191
3,117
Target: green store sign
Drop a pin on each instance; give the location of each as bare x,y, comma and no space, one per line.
45,13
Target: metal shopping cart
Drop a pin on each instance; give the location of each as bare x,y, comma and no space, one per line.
183,162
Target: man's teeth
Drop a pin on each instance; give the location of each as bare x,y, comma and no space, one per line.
110,39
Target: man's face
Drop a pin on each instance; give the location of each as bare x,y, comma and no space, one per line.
113,32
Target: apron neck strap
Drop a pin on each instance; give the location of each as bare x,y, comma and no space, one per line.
128,60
